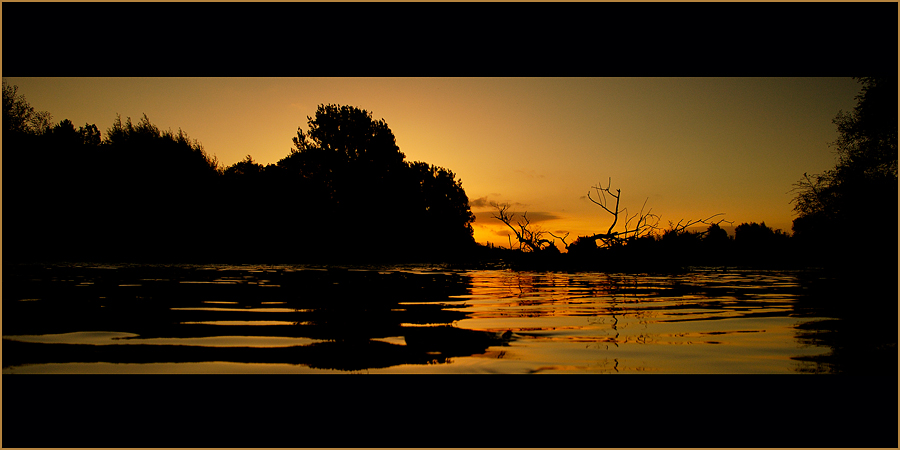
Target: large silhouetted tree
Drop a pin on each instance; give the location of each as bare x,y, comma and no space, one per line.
352,135
860,192
435,195
354,176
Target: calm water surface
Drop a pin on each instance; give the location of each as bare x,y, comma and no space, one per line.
289,319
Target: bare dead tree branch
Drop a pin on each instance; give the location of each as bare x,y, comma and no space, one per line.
602,191
561,239
645,224
642,223
683,225
528,236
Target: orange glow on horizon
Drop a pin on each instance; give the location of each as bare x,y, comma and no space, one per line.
692,147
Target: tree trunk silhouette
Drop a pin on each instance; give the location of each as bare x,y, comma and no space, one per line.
645,223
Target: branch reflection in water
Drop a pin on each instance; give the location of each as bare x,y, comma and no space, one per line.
290,319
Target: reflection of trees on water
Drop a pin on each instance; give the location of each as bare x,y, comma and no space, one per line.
371,319
361,319
847,321
855,319
544,288
611,303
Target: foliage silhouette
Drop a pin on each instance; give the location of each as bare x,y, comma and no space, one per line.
346,192
140,194
858,195
380,205
860,192
19,116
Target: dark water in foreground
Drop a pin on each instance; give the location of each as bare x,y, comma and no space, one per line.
289,319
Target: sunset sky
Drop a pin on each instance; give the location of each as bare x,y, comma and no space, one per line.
692,147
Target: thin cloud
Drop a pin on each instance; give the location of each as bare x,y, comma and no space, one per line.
479,202
533,216
487,202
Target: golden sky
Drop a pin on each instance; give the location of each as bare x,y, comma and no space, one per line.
692,147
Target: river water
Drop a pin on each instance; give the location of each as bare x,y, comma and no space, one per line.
84,318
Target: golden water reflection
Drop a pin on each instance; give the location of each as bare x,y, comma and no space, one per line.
406,320
693,323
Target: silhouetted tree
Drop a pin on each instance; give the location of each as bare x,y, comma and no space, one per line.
716,246
158,149
860,189
583,245
350,169
44,165
637,225
154,192
715,235
246,215
90,135
352,134
138,193
442,203
757,244
680,244
682,225
244,168
21,117
65,134
529,237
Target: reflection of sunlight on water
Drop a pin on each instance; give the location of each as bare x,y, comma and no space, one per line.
213,367
395,340
245,309
116,338
549,322
696,323
82,337
244,322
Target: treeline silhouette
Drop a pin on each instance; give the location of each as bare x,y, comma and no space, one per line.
846,218
139,194
753,245
345,193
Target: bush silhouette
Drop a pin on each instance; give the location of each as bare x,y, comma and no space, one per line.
137,193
